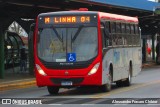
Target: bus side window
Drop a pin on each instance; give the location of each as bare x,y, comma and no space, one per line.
123,27
136,29
129,38
132,29
137,36
108,34
132,35
119,34
118,28
113,27
113,31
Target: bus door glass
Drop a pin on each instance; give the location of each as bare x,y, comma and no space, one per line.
105,31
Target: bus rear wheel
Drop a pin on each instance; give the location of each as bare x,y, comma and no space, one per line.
53,90
119,83
107,87
127,82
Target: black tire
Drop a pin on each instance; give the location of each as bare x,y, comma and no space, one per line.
53,90
119,83
127,82
107,87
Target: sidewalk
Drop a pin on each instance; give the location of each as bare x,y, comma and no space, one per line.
15,80
148,64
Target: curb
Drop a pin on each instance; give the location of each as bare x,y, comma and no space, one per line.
17,85
148,65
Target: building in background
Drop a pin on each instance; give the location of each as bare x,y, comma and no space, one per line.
16,28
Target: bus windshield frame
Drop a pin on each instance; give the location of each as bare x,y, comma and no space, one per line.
80,39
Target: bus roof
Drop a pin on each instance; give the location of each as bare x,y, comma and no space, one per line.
73,12
108,16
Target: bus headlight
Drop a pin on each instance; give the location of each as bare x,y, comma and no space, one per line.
94,69
40,71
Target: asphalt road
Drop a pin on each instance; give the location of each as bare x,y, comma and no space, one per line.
145,85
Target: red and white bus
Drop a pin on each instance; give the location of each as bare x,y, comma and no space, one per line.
86,48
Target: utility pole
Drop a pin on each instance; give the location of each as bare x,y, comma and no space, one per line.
1,51
30,49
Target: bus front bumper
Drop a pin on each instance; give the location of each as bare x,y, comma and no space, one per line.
89,80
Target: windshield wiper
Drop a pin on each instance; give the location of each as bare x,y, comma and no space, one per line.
77,33
58,36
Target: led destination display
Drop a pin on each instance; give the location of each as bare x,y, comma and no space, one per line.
67,19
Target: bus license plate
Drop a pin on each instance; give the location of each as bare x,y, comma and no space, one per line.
64,83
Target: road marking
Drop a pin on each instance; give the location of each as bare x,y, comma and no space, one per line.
55,104
125,89
87,104
96,101
17,81
153,104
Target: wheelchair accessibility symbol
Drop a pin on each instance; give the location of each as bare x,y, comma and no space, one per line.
71,57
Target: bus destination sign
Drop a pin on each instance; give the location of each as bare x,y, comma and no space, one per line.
67,19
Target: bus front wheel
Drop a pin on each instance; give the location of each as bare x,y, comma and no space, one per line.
53,90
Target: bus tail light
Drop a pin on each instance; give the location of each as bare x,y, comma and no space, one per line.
40,71
94,69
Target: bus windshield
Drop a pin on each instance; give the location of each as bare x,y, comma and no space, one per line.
54,43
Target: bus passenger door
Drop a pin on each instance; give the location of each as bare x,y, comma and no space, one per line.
106,51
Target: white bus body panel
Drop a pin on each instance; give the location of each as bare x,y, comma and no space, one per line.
120,59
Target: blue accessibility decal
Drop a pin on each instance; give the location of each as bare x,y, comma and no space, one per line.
71,57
